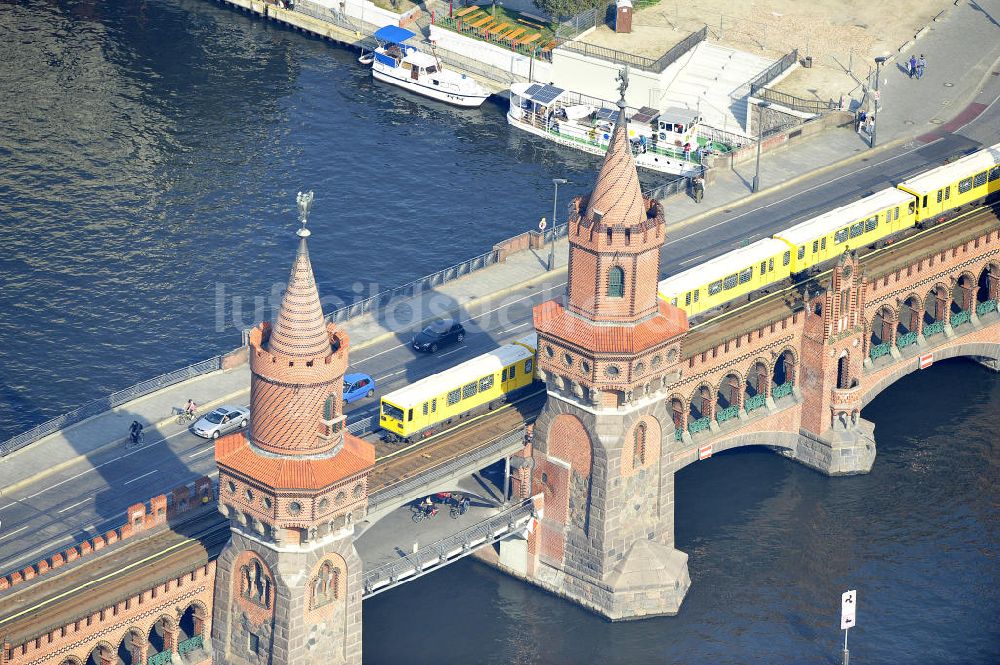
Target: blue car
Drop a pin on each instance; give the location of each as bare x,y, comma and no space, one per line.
357,386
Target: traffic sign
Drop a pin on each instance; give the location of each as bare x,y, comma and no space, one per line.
704,452
542,224
848,609
926,360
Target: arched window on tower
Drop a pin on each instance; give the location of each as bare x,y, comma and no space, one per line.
616,282
639,446
326,585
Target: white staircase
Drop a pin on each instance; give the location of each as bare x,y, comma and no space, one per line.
704,79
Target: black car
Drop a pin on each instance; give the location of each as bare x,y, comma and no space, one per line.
438,334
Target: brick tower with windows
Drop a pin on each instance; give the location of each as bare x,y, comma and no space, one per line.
288,585
601,444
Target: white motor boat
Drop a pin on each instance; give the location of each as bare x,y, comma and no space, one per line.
670,140
398,63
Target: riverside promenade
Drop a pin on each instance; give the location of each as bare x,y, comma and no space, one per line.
958,88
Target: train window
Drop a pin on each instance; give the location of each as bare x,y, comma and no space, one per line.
857,229
392,411
503,375
714,287
687,298
763,267
696,292
434,405
994,173
513,370
979,180
964,185
454,396
802,252
910,209
770,265
425,408
527,366
729,282
409,416
822,243
924,203
486,383
745,275
871,223
840,236
468,390
940,195
895,217
786,259
815,246
947,192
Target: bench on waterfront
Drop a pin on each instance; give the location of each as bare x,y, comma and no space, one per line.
468,10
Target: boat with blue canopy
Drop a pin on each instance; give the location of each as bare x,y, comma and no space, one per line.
402,64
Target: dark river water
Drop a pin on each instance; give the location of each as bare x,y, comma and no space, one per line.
149,157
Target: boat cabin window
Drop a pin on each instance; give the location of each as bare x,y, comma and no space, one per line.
432,69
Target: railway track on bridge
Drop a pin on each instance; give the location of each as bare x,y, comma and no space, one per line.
101,580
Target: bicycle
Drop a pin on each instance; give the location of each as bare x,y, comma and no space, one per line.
185,417
420,514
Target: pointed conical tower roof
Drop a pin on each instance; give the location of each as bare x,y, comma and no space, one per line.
300,331
617,195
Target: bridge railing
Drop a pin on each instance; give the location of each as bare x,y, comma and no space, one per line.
446,550
109,402
407,489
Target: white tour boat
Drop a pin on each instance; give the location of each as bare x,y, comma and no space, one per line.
668,140
398,63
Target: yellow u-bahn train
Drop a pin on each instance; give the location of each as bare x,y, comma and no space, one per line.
870,220
440,401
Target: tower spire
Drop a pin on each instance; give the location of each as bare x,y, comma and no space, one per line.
617,197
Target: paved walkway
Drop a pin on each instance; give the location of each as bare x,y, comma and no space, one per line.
961,52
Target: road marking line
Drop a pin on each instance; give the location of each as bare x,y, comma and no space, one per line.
382,378
83,473
792,196
202,452
74,505
442,355
690,260
140,477
8,535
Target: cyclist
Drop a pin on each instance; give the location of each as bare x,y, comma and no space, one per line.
189,409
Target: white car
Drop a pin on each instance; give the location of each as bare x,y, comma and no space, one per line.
223,420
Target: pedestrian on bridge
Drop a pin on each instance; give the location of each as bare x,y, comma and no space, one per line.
921,65
911,66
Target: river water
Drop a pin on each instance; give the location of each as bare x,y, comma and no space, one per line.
149,157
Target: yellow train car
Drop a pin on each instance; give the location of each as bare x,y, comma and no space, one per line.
729,276
974,177
440,400
856,224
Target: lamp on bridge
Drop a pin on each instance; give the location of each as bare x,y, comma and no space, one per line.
760,130
878,74
552,244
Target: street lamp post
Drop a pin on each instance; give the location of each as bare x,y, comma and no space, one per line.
555,199
760,130
878,74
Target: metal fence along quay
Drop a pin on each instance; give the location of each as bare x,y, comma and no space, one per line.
113,400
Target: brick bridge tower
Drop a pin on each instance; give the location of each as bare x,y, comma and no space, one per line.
606,353
288,586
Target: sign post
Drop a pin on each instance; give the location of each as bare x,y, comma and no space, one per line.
848,615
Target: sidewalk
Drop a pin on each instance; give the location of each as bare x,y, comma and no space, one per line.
960,50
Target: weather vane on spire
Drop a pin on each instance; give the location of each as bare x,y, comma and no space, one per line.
622,79
304,201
